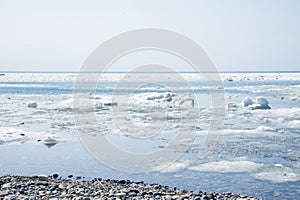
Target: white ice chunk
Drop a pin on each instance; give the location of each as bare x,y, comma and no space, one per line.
295,98
294,124
259,103
247,101
172,166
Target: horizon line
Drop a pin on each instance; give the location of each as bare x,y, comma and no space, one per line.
119,72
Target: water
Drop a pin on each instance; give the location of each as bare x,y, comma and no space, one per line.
257,152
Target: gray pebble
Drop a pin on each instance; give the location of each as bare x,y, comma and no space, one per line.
52,187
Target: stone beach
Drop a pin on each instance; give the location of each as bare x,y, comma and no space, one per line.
74,187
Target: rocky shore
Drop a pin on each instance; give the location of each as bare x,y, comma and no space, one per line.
54,187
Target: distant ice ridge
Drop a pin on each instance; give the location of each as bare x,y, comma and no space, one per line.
259,76
72,77
259,130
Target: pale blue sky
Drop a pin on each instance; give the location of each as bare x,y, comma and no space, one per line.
237,34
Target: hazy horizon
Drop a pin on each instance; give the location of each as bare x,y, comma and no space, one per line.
220,71
237,35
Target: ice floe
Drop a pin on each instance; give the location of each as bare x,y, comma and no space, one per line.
227,166
259,130
276,173
295,98
258,103
172,166
285,113
50,142
9,135
247,102
294,124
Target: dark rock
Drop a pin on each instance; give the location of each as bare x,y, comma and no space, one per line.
55,176
122,182
43,178
135,191
205,197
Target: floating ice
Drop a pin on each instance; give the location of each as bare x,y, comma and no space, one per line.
287,114
294,124
259,103
247,101
227,166
50,142
277,173
265,129
259,130
9,135
295,98
172,166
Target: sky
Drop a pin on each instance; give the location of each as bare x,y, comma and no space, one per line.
238,35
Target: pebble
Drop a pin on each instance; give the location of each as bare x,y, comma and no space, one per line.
50,187
55,176
6,185
43,178
44,183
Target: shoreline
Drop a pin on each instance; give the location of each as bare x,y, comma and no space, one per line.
55,187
